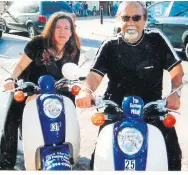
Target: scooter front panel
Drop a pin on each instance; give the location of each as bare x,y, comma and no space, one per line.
52,118
130,145
33,134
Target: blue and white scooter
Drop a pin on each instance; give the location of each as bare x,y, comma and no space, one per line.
50,128
129,143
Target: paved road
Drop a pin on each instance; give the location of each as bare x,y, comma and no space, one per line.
11,46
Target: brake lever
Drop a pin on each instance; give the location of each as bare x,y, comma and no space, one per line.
61,83
13,90
171,110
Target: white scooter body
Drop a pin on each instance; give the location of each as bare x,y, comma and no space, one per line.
156,155
32,131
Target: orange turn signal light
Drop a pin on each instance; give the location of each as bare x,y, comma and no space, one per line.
19,96
169,121
98,119
75,90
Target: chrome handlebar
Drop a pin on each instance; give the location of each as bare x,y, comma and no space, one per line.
160,106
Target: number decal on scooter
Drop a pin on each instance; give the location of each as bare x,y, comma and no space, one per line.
54,127
129,164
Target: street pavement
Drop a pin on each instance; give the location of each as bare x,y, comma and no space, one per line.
92,33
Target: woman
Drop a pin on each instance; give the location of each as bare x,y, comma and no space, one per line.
44,55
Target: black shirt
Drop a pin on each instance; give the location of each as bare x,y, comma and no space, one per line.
135,69
43,60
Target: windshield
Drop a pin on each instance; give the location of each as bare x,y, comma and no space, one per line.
49,7
16,7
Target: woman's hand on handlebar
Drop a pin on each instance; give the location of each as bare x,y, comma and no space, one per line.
9,85
84,99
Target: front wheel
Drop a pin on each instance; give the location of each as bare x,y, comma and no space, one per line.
6,29
31,31
1,34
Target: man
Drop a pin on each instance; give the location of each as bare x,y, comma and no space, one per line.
85,9
134,61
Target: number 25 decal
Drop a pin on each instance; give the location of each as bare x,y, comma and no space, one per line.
129,164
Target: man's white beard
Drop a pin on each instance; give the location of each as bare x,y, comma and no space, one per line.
131,33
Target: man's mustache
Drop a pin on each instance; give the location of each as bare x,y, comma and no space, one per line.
131,28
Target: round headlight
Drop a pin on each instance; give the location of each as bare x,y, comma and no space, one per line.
52,107
130,140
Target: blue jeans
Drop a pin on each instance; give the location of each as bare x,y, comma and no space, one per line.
85,13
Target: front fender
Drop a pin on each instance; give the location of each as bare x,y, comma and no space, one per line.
29,22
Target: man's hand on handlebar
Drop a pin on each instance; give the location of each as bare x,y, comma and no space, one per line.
84,99
173,102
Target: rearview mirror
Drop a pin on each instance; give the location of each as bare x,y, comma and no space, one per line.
71,71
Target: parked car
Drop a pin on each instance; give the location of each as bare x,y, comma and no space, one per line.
171,17
31,16
2,26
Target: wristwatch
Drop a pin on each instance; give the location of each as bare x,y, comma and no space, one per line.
177,92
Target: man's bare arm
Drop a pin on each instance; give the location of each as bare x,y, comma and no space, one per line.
92,81
84,98
176,76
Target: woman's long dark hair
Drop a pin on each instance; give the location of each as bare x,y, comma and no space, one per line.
74,42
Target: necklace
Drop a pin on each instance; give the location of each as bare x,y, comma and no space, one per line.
134,44
59,55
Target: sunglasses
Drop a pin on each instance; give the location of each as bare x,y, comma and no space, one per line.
135,18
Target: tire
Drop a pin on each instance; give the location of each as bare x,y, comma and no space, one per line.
6,29
31,31
1,34
186,50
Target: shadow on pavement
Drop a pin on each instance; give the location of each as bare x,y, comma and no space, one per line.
90,43
11,48
83,164
24,34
